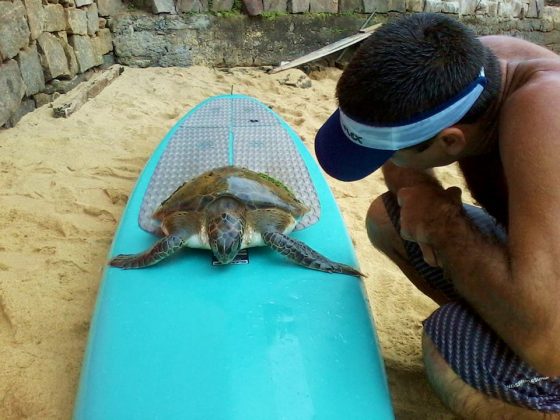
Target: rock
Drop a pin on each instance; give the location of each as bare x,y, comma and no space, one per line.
97,48
468,7
35,17
378,6
14,32
298,6
27,106
83,49
491,8
434,6
64,86
109,7
76,21
31,70
536,8
147,49
92,19
82,3
323,6
42,99
255,7
104,41
163,6
415,5
295,78
350,6
62,35
451,7
108,61
192,6
12,89
505,10
73,66
518,9
396,6
53,58
224,5
552,38
55,19
102,23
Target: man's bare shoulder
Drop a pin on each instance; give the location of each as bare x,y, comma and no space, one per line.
514,49
529,126
534,86
534,99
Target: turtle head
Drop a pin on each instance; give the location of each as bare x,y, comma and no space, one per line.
225,224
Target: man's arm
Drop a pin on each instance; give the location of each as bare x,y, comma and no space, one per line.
515,287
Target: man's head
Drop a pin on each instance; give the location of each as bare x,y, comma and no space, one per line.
411,79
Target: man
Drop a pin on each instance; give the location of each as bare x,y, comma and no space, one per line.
422,92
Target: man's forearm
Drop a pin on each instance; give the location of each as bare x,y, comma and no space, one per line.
397,177
480,269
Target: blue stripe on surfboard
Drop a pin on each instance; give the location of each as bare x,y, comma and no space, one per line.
231,137
302,341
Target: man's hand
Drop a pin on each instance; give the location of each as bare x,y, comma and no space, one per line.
426,211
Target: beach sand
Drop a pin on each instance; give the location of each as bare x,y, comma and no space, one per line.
63,186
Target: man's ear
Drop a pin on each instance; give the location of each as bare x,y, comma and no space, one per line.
452,140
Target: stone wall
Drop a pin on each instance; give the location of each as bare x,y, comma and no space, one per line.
501,8
47,47
144,39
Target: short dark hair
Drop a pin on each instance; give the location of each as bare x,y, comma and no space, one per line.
412,65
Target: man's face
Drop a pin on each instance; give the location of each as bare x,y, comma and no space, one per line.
430,157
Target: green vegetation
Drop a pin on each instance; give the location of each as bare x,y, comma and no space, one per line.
276,182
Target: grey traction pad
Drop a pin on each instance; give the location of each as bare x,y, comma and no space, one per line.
243,127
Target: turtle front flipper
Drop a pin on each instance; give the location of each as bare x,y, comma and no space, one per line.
302,254
162,249
177,227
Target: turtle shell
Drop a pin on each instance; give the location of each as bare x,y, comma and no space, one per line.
256,190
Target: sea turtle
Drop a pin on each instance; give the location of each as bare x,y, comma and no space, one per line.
228,209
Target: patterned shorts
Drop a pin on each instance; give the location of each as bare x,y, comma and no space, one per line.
475,352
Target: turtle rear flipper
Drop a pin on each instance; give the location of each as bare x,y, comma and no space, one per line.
162,249
302,254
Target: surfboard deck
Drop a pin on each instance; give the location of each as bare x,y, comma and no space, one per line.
266,339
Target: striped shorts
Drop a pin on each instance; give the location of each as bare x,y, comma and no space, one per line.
475,352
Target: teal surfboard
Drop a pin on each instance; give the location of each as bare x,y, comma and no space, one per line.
262,339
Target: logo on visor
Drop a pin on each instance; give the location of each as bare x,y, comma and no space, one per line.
353,136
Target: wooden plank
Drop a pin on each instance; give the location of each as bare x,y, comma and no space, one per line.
67,104
371,28
329,49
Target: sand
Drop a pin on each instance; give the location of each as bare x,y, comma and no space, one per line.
63,186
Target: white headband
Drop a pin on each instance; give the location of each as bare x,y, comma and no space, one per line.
410,134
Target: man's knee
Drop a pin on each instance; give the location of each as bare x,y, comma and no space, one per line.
464,400
380,229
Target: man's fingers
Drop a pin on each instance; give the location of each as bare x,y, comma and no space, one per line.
402,195
429,254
